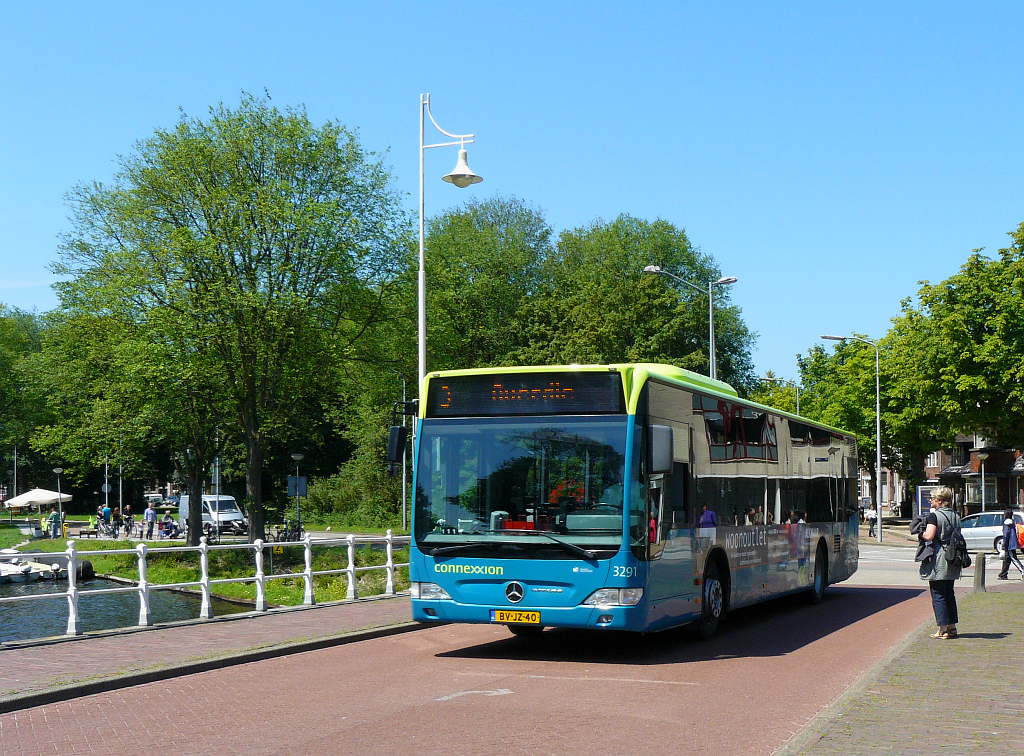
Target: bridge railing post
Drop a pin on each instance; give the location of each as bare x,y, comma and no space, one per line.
74,623
390,587
309,599
350,593
204,579
261,590
145,620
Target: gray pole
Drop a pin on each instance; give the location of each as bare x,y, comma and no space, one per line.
422,276
404,499
878,443
711,328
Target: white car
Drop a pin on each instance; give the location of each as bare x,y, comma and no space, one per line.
984,531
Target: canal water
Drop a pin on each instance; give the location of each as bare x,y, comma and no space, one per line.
44,618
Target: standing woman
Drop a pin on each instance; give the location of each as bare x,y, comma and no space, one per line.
940,524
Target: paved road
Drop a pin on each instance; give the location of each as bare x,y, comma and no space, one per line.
475,689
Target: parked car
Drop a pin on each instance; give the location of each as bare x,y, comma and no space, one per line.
984,531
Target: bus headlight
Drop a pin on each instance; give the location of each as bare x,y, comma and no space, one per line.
615,597
428,591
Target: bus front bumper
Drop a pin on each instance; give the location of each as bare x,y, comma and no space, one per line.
601,617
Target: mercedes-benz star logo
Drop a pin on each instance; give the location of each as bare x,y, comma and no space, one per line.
514,592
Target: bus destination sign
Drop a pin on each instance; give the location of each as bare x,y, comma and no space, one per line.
526,394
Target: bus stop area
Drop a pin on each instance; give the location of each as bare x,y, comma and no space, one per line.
870,683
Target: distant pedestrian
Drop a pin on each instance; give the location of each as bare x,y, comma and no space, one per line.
942,522
150,517
1011,542
116,519
708,518
54,523
106,513
872,517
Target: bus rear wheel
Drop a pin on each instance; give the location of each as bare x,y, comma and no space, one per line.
712,603
817,592
525,631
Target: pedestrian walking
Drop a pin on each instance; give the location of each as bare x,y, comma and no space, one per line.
150,517
941,523
872,517
1011,542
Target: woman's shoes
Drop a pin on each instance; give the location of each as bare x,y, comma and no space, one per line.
950,635
938,634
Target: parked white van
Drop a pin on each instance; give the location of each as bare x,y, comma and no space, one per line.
223,511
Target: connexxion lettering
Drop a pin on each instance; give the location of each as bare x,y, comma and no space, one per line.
470,569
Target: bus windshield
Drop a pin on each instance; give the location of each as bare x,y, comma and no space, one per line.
514,486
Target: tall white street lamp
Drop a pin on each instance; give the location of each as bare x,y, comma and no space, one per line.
878,427
60,505
982,456
786,382
461,177
724,281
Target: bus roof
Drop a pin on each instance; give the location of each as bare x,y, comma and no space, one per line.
634,375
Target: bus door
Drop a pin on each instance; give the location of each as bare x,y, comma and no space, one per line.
670,540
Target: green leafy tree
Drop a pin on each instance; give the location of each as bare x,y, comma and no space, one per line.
114,392
962,348
20,405
255,239
599,307
485,263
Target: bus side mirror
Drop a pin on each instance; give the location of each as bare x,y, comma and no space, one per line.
659,445
397,438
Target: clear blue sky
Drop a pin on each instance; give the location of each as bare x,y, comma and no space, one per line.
828,155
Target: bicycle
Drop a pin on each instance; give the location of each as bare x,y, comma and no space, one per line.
290,532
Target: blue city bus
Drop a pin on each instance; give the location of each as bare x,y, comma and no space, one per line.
632,497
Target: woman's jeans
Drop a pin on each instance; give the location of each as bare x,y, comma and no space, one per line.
943,602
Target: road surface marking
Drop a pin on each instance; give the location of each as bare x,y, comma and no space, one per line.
498,692
576,679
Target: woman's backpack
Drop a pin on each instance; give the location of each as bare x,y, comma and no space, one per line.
956,549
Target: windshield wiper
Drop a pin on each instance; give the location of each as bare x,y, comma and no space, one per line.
471,544
456,547
586,554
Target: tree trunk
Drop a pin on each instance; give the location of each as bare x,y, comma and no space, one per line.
254,478
195,505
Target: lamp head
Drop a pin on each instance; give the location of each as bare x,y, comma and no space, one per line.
982,456
834,338
58,470
297,457
726,280
463,175
653,269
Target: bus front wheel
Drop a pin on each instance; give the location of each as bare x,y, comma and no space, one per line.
712,603
817,592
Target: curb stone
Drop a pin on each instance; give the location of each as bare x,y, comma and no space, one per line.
76,690
813,730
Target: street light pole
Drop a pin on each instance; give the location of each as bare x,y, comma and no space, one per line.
60,504
461,177
724,281
878,426
982,456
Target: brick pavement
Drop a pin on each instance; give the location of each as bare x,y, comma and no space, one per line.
42,666
936,696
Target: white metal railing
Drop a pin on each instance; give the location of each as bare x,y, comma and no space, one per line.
144,587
